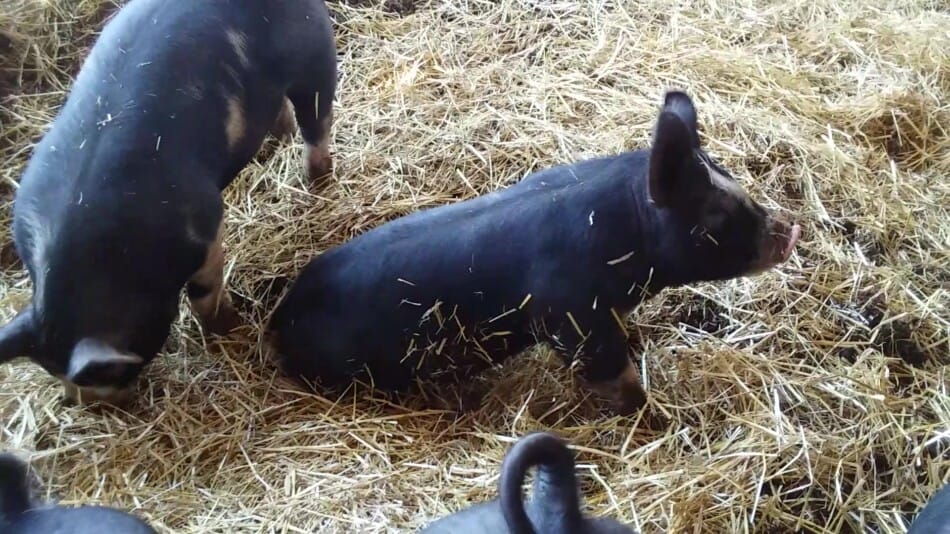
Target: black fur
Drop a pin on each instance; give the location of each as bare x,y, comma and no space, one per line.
554,507
560,257
121,200
19,514
935,516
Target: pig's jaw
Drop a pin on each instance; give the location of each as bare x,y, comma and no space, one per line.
778,253
86,395
794,234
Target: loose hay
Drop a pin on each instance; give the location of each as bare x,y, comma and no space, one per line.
791,405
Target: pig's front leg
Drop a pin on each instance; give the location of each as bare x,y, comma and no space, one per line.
285,125
600,346
206,293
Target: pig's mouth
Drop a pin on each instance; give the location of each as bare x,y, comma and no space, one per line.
86,395
793,234
783,242
778,246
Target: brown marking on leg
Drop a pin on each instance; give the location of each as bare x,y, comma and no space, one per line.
206,292
284,126
319,163
234,124
625,392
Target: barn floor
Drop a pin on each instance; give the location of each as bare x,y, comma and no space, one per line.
812,398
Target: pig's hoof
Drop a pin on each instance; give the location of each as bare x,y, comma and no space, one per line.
625,395
320,169
319,163
224,322
655,420
631,403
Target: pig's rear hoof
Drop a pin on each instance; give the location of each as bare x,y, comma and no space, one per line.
283,133
224,322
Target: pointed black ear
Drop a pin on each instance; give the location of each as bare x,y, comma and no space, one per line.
674,142
18,337
681,105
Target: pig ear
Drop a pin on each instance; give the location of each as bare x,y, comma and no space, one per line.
674,142
681,105
18,337
95,362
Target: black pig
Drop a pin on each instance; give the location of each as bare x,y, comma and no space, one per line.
554,507
120,205
20,514
559,257
934,518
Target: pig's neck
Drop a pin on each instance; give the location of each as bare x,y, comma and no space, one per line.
632,271
659,236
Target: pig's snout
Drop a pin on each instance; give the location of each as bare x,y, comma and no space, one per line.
780,242
625,393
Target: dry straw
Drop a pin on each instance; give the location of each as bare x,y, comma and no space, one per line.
812,398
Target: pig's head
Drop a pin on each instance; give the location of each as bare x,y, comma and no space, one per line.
96,352
708,228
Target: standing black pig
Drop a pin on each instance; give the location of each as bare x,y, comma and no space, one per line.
560,257
120,206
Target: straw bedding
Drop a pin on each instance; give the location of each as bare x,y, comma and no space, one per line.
812,398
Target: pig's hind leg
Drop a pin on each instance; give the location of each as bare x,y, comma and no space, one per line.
312,95
307,48
314,113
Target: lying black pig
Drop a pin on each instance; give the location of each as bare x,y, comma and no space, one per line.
20,514
120,206
560,257
554,508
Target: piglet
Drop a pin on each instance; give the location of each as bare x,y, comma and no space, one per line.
935,517
554,507
120,206
20,514
560,258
